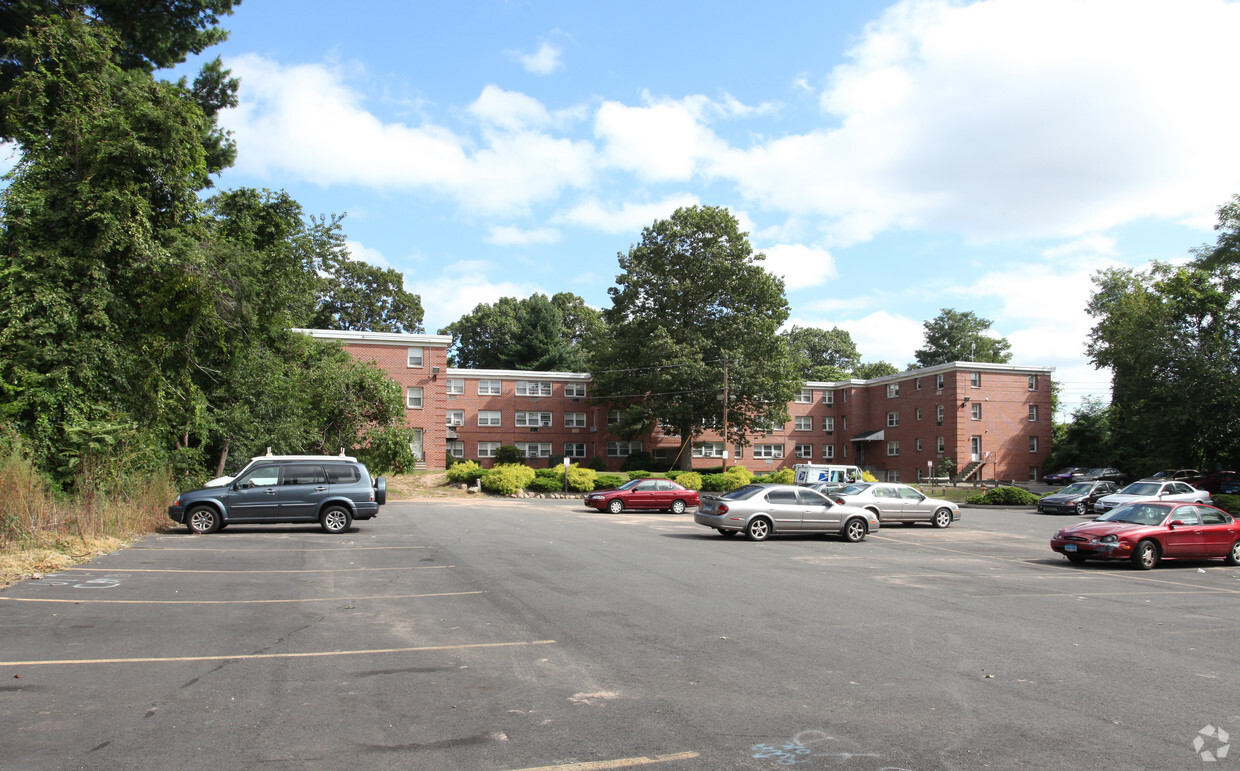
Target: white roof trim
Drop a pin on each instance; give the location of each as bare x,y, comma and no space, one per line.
401,338
516,374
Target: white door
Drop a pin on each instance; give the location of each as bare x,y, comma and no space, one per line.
975,448
416,444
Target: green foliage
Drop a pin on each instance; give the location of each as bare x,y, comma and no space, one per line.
714,483
866,476
532,334
387,450
609,481
822,354
580,479
961,336
508,455
742,474
551,472
691,293
546,484
1006,496
465,472
507,479
874,369
945,467
1228,503
734,477
357,295
639,460
785,476
597,462
1086,441
690,479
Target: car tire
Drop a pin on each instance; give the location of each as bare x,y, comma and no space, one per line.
758,529
615,505
1145,556
202,520
942,518
854,530
678,506
1233,556
1075,558
726,533
335,520
1080,509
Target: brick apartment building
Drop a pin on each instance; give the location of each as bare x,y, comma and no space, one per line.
897,426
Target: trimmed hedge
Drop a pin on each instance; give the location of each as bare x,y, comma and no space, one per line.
507,479
581,480
690,479
466,471
545,484
784,476
608,481
1006,496
1228,503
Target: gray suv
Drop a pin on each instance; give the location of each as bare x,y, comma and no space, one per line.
331,492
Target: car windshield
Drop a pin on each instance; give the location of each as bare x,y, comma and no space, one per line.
1137,514
741,493
629,485
854,489
1142,488
1077,488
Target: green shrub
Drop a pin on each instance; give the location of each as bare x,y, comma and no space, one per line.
388,451
784,476
507,479
1006,496
714,483
607,481
555,472
647,475
689,479
744,474
598,463
867,476
544,484
466,471
509,455
638,460
581,480
1228,503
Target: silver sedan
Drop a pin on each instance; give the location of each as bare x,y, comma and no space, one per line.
762,510
893,502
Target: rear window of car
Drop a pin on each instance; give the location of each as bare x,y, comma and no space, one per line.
782,496
304,475
342,473
743,493
854,489
813,498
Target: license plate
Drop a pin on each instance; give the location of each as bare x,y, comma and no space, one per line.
1069,547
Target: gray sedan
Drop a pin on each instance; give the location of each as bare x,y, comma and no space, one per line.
893,502
763,510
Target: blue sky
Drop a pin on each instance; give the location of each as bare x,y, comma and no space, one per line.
890,159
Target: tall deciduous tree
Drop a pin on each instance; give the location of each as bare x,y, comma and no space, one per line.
871,369
536,333
691,294
361,296
961,336
822,354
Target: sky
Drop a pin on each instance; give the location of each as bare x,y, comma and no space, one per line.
889,159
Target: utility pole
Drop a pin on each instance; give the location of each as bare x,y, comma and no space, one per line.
725,412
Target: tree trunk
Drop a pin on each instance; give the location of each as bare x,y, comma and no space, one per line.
684,461
219,469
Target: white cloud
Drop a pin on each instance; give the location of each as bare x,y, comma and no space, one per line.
800,266
358,252
503,235
509,110
460,288
544,61
628,217
882,336
663,141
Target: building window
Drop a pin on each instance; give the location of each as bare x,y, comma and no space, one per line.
708,450
893,390
456,449
917,414
535,449
1033,413
456,417
1033,473
917,383
828,424
805,424
975,380
533,419
488,388
893,475
1033,382
768,451
488,417
938,382
843,451
456,385
938,413
844,423
893,448
806,396
738,452
577,390
528,388
413,398
623,449
918,445
844,397
613,417
940,445
893,419
804,450
1033,444
828,451
415,356
828,398
574,420
575,450
487,449
977,410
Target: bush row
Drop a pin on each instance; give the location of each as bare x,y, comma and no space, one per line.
505,479
1006,496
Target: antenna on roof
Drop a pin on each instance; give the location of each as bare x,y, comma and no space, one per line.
342,452
268,452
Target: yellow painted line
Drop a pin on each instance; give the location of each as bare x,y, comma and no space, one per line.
116,570
617,763
236,602
247,656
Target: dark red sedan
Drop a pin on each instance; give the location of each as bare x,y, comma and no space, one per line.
662,494
1145,532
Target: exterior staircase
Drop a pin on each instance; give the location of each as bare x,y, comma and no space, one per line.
971,470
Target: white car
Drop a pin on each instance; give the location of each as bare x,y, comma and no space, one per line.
1152,490
894,502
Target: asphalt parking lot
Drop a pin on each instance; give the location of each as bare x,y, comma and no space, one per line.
538,634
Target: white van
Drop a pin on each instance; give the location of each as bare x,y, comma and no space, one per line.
837,476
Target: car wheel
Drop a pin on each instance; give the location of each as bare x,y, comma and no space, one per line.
942,518
202,520
336,519
1146,555
1080,509
854,530
1233,556
678,506
758,529
726,533
1077,558
615,505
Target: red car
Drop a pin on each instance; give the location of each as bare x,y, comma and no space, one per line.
1144,532
662,494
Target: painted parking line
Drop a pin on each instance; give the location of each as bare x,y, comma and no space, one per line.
257,572
252,656
238,602
617,763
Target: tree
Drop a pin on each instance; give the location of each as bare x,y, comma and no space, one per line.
872,369
542,343
1086,440
534,333
956,336
690,296
822,354
357,295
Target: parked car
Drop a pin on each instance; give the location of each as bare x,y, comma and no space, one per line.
1147,490
762,510
1229,487
893,502
1175,475
1149,531
1077,498
269,458
1215,481
1063,476
661,494
1107,474
333,493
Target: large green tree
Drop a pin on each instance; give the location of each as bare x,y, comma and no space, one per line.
822,354
536,333
361,296
691,296
961,336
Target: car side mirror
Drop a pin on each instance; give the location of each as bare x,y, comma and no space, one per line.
1177,523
